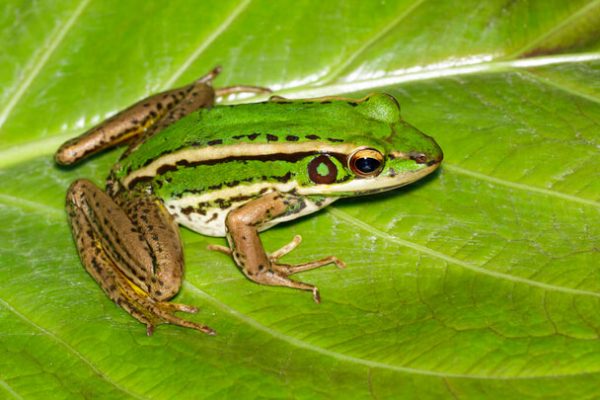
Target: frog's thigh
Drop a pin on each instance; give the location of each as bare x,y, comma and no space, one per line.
161,234
90,210
135,251
95,216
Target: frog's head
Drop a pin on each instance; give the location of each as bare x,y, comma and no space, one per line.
378,160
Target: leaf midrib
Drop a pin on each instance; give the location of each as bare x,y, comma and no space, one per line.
37,62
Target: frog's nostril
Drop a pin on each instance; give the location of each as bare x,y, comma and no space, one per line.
419,158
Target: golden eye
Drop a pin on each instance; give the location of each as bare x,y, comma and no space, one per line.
366,162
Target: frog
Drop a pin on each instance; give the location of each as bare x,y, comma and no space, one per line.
227,170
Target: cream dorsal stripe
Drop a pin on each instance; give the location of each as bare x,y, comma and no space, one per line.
211,153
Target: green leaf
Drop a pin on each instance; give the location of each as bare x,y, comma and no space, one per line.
481,281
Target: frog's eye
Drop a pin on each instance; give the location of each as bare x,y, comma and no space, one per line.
366,162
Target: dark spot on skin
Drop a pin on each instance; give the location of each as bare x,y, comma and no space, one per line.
261,267
271,138
214,216
253,136
158,293
313,137
326,102
146,104
96,266
291,138
283,178
188,210
352,104
138,180
335,140
214,142
159,106
163,169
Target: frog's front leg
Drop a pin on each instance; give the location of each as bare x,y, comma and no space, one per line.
132,249
243,225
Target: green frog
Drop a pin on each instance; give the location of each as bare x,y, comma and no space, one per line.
232,171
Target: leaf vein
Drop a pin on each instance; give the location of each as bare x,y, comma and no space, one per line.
549,82
207,42
520,186
371,42
9,389
351,359
449,259
555,29
37,65
68,347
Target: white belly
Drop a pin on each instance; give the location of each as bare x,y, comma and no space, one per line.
202,213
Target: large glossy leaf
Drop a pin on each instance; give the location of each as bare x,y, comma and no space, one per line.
480,281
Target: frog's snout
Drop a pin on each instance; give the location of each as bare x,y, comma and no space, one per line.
429,158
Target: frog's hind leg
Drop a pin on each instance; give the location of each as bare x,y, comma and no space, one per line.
149,115
123,259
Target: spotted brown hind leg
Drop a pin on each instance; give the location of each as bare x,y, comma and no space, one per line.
144,118
243,225
132,249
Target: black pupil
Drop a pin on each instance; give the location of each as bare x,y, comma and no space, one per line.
367,165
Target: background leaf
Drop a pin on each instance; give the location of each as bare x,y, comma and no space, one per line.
479,281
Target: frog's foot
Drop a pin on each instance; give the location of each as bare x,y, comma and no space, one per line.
226,91
151,312
211,75
277,254
292,269
277,274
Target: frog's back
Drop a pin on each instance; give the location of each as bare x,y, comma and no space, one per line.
272,122
215,160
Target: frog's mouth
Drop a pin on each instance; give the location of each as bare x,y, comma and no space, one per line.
363,186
